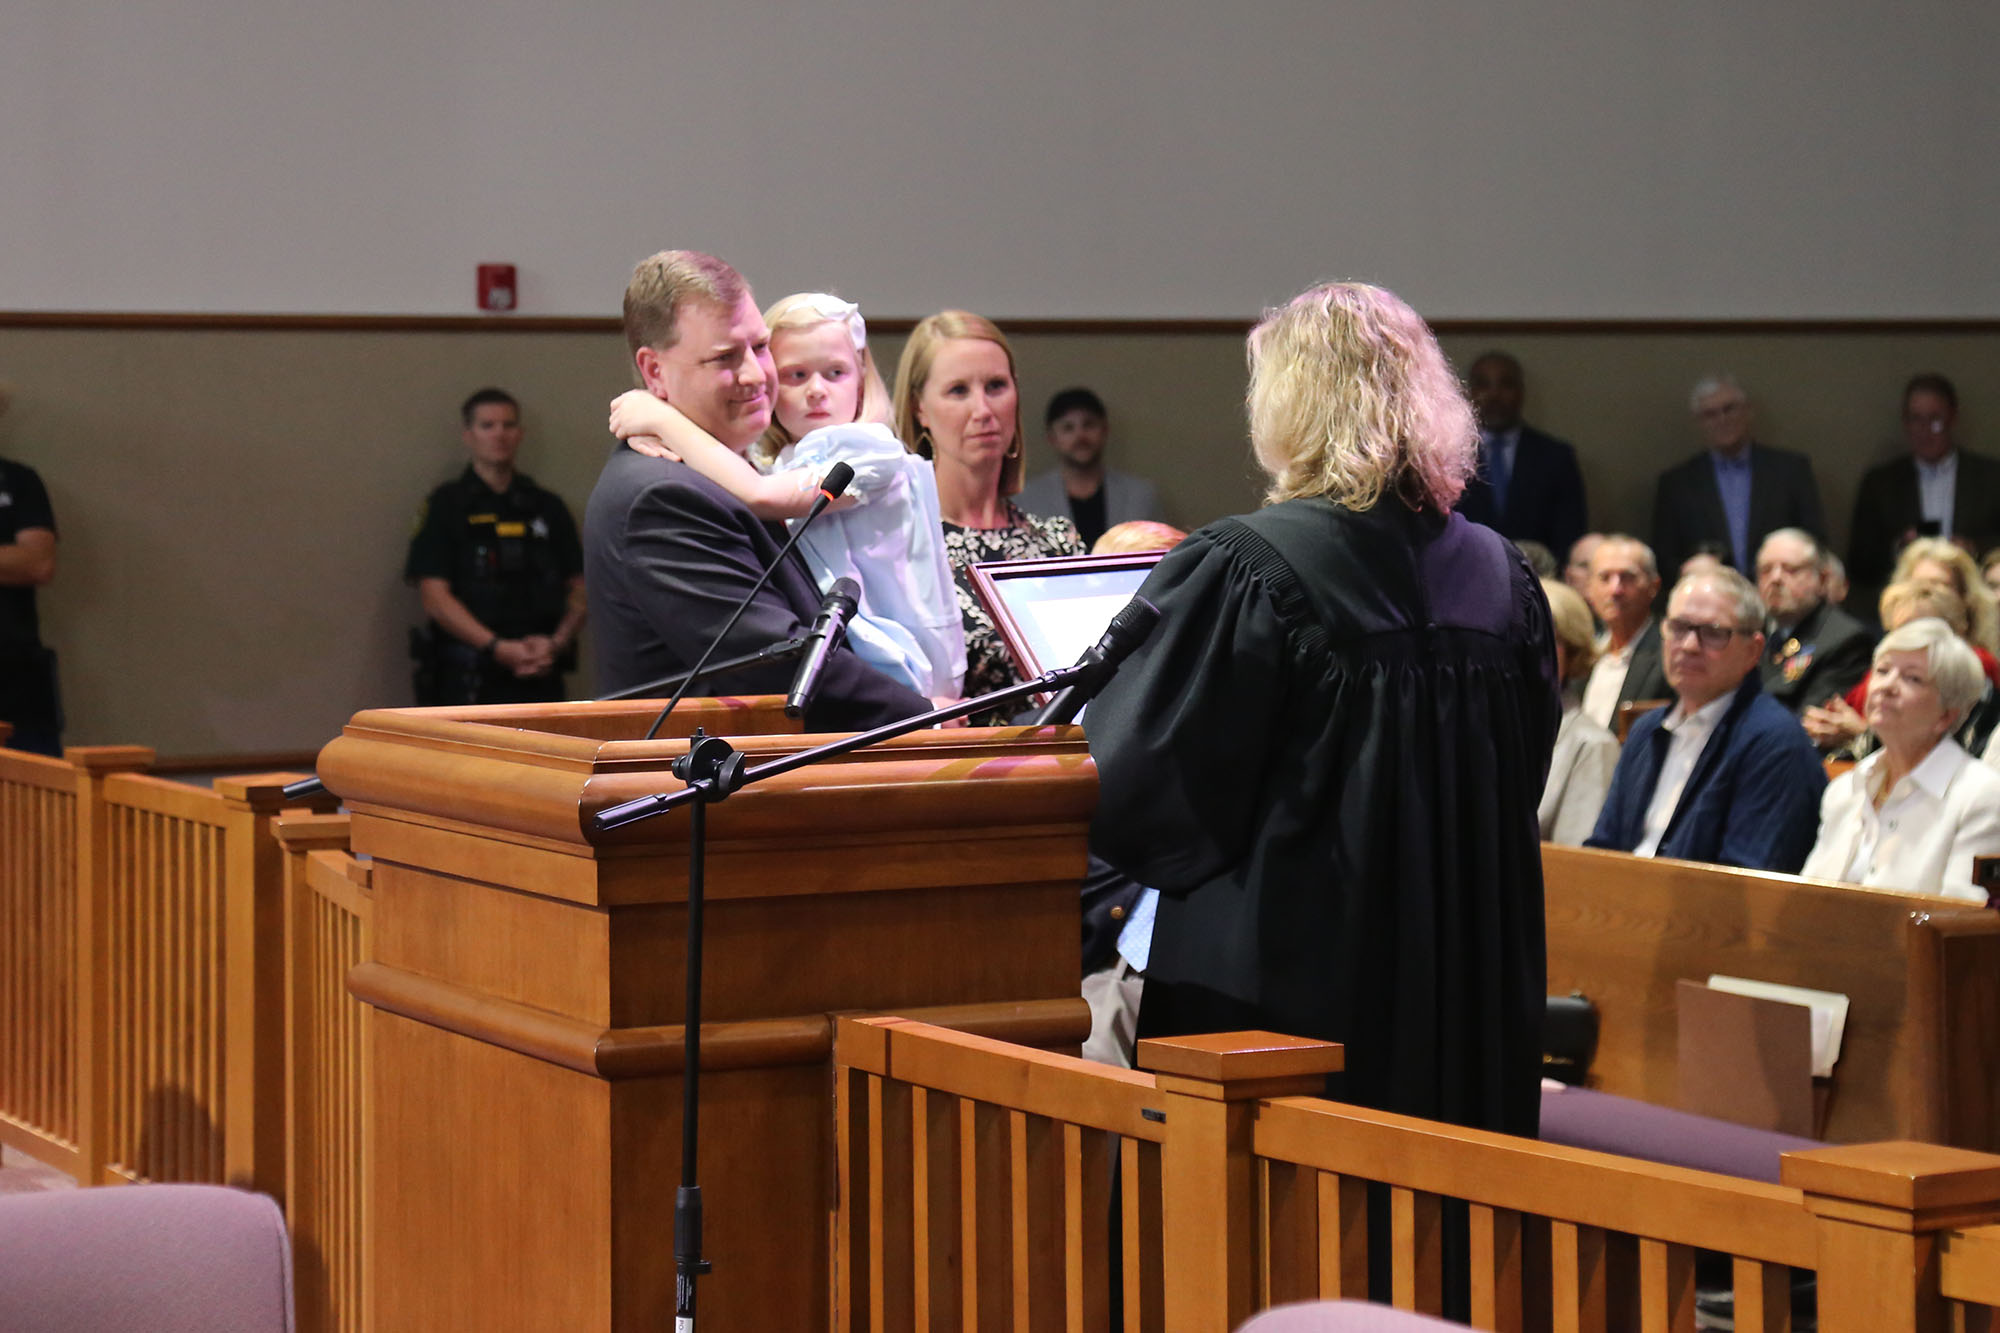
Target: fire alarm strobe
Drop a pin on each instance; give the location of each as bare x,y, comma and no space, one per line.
496,287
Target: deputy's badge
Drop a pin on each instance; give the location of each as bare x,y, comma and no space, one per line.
539,528
1797,663
6,498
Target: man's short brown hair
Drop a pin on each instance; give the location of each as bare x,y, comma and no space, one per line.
665,282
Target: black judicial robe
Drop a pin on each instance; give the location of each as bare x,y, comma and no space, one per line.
1327,757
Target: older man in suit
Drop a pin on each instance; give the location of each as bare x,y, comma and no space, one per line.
668,554
1725,775
1623,582
1528,487
1935,490
1735,490
1814,651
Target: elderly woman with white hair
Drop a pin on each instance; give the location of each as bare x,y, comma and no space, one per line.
1328,755
1912,816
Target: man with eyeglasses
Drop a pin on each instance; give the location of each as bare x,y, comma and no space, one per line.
1736,489
1726,774
1935,490
1813,649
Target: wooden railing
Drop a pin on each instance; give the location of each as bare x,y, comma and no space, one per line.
143,1038
39,907
329,907
975,1177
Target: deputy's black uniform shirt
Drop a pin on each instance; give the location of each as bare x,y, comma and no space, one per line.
24,503
509,555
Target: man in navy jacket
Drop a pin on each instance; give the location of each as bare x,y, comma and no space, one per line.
1725,774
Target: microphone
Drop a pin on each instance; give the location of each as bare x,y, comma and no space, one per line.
826,635
1127,630
302,790
831,485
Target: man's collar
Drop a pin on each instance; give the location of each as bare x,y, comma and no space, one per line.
1704,717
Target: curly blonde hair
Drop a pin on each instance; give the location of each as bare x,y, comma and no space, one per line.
913,369
1980,609
1351,398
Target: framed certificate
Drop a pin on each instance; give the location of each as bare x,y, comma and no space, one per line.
1049,612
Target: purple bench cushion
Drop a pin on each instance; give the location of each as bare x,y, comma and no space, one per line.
1342,1317
162,1258
1580,1118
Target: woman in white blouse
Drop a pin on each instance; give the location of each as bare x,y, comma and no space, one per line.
1585,754
1911,816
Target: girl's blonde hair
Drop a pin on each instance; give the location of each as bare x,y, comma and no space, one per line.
1351,398
914,369
1980,610
807,310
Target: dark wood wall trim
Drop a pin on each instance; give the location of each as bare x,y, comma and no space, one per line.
606,324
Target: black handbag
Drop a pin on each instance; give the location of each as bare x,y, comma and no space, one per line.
1569,1037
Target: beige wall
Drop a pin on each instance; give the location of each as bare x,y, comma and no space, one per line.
235,505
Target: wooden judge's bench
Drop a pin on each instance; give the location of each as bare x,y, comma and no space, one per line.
525,982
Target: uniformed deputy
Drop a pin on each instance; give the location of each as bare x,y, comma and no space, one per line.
28,701
497,562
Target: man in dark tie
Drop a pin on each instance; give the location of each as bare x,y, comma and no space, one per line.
1528,487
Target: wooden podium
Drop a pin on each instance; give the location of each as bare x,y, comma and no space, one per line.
522,1128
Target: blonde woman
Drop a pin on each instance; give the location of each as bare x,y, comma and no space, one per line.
1328,755
1935,560
1585,754
959,405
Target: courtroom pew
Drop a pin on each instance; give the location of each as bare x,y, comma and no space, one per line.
1922,975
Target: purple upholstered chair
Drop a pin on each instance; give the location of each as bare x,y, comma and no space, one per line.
157,1258
1580,1118
1342,1317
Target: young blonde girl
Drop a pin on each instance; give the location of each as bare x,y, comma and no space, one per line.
830,406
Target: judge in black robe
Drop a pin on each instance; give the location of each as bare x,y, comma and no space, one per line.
1328,755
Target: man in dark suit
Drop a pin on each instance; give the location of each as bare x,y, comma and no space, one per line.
1813,650
668,554
1936,490
1528,486
1726,775
1623,583
1734,491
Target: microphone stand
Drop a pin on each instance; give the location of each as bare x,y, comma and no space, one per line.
782,651
713,770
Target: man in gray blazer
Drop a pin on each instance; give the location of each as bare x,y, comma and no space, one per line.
668,555
1081,487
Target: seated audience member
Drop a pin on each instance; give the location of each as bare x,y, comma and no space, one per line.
1735,490
1623,583
1936,489
1528,486
1833,574
1539,557
1081,487
1141,534
1576,573
1935,560
1815,650
1580,769
1838,725
1911,816
1725,775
